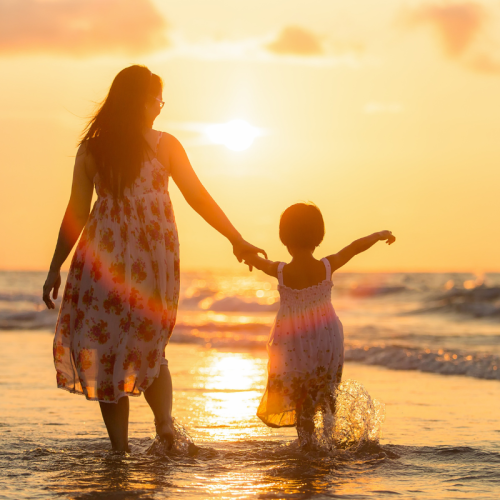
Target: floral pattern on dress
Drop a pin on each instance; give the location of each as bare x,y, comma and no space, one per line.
306,353
120,301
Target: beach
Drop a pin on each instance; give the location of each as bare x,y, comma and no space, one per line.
439,439
440,435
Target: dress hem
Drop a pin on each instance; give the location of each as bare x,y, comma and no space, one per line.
277,426
82,393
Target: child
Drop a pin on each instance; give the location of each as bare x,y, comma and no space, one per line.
306,345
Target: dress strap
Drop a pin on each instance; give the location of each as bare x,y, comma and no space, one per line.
328,268
281,265
158,143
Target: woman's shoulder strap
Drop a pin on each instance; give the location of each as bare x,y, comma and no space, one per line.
281,265
328,268
160,134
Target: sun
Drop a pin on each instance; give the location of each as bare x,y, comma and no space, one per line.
236,135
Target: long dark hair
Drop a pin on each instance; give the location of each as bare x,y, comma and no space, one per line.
114,135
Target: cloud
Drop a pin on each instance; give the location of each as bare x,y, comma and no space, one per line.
484,63
80,27
255,49
456,24
462,31
297,41
83,28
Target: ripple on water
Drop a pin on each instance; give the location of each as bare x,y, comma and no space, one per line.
259,468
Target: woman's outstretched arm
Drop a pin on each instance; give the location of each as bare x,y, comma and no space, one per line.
73,222
341,258
198,197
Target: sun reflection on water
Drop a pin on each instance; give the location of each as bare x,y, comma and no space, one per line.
232,406
231,386
232,372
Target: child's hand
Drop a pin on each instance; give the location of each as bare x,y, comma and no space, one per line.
247,263
253,260
388,236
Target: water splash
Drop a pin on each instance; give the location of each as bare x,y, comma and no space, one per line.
358,417
183,443
356,420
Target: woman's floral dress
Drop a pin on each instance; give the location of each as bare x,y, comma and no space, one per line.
120,301
306,352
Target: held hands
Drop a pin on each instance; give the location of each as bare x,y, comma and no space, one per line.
388,236
241,249
53,282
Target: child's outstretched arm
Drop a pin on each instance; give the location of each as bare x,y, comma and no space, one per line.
267,266
341,258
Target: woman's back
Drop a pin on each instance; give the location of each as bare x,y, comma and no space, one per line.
152,178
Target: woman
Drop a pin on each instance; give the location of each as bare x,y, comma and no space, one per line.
120,301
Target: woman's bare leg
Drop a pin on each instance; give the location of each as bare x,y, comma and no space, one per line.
159,397
115,416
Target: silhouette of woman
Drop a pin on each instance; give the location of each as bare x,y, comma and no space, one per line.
120,301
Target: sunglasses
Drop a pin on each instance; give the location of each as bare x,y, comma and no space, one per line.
162,103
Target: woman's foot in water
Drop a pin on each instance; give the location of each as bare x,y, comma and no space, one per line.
165,431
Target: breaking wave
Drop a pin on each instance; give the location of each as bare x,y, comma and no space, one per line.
443,362
479,302
389,317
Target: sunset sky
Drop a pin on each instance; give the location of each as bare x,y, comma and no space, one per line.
385,114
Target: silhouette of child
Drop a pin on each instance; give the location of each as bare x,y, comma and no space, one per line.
306,344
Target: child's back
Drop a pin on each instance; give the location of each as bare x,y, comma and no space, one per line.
306,348
304,273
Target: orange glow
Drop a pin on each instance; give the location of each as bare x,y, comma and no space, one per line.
326,94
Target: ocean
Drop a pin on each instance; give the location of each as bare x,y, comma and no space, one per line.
424,345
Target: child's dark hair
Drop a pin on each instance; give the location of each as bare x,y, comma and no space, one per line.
302,226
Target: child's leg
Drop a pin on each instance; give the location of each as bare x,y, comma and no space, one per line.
332,403
305,422
332,397
115,416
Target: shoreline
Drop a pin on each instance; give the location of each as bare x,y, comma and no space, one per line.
443,433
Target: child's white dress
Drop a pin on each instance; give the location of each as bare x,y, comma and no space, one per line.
306,352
